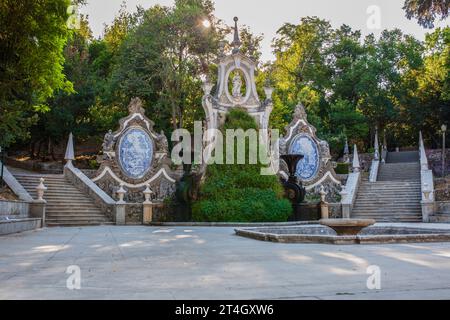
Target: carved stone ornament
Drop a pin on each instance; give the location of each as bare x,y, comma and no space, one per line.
238,69
315,168
136,156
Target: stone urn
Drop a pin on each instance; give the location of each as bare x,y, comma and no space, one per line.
294,189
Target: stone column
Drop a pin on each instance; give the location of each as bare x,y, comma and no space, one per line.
120,207
346,207
427,204
148,206
324,212
37,208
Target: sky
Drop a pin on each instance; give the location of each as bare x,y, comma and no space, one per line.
267,16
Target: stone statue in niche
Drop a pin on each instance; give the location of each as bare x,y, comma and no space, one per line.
162,143
237,85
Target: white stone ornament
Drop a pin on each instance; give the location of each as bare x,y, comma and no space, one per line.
70,153
121,193
322,193
40,189
356,166
147,194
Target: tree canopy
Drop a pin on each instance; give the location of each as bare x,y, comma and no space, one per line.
54,80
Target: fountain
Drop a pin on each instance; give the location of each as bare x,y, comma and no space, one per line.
347,227
294,188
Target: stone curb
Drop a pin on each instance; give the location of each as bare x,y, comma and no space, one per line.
228,224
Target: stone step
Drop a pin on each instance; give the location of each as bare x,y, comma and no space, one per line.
66,205
387,207
73,212
383,202
84,204
77,224
406,184
398,193
76,218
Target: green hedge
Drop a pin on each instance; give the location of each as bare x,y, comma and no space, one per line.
342,168
239,193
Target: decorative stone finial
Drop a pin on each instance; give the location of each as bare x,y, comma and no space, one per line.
346,151
300,112
356,165
268,89
135,106
236,41
40,189
322,193
121,192
376,146
147,194
70,154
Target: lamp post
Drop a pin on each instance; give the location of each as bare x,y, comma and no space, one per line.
444,130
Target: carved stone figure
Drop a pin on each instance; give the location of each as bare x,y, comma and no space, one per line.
136,106
283,145
325,150
108,143
163,144
300,112
237,85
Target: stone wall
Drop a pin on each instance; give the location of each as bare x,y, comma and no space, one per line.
442,188
16,209
435,161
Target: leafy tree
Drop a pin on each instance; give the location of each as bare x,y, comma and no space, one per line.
426,11
163,59
32,38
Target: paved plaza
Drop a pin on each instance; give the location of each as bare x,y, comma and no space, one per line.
211,263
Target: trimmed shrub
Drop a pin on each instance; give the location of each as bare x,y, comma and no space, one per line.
239,193
342,168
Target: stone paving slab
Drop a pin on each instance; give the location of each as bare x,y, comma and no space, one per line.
137,262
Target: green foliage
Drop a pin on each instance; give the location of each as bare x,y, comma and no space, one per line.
426,11
342,168
162,60
239,193
32,36
350,86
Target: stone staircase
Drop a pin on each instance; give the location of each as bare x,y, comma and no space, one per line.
396,195
66,205
408,171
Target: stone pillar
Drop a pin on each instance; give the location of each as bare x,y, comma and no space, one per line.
148,206
427,210
324,212
37,210
427,204
120,207
346,207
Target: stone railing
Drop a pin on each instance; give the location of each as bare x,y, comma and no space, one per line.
427,184
36,208
350,190
374,170
373,174
82,182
